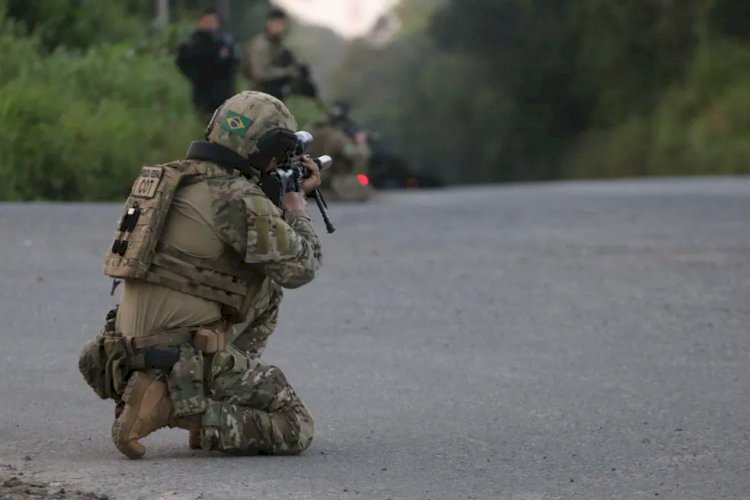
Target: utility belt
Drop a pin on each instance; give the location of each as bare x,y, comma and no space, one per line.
161,350
185,354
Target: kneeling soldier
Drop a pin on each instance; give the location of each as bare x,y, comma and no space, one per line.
200,247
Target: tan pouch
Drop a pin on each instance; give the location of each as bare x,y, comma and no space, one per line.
104,365
228,369
210,341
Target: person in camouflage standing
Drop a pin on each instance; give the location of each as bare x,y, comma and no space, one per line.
201,247
267,61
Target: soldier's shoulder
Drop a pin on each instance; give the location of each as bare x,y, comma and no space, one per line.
172,169
227,201
250,195
181,165
200,170
241,192
332,135
176,164
324,129
258,204
231,186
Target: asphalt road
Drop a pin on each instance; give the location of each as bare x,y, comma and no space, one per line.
576,340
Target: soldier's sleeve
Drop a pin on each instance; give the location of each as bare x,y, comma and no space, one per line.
284,247
261,65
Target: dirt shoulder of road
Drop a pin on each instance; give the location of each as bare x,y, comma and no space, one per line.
17,485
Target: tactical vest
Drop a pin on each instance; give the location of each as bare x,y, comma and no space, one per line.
137,255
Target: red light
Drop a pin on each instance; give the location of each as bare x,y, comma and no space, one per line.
363,180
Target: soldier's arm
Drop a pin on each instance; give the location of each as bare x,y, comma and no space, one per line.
283,247
260,64
301,269
245,61
186,60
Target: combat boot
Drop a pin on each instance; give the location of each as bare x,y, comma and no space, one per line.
147,409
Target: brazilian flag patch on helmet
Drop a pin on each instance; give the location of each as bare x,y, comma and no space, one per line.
236,123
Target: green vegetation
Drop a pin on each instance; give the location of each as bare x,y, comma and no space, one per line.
83,108
89,95
501,90
498,90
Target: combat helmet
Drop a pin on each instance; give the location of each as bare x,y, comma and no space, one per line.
243,119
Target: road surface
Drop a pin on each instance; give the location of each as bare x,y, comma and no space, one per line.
573,340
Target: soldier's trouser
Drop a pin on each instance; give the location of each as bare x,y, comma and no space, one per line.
253,409
244,406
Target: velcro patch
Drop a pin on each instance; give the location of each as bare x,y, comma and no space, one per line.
236,123
146,184
269,238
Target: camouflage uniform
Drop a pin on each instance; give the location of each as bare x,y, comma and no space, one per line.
267,62
348,156
349,160
253,409
234,401
252,335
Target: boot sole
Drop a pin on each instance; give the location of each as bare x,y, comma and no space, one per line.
123,444
119,434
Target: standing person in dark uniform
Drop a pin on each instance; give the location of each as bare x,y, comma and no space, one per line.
209,60
268,62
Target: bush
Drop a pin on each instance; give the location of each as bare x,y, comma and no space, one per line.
78,24
698,128
701,126
79,125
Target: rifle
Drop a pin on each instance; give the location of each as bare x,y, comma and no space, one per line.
289,175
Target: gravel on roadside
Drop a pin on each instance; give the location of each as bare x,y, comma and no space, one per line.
14,486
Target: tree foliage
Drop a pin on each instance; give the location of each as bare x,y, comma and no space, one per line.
78,121
540,89
488,90
79,23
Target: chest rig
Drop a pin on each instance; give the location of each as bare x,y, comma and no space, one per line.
136,252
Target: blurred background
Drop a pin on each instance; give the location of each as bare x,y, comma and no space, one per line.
452,91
